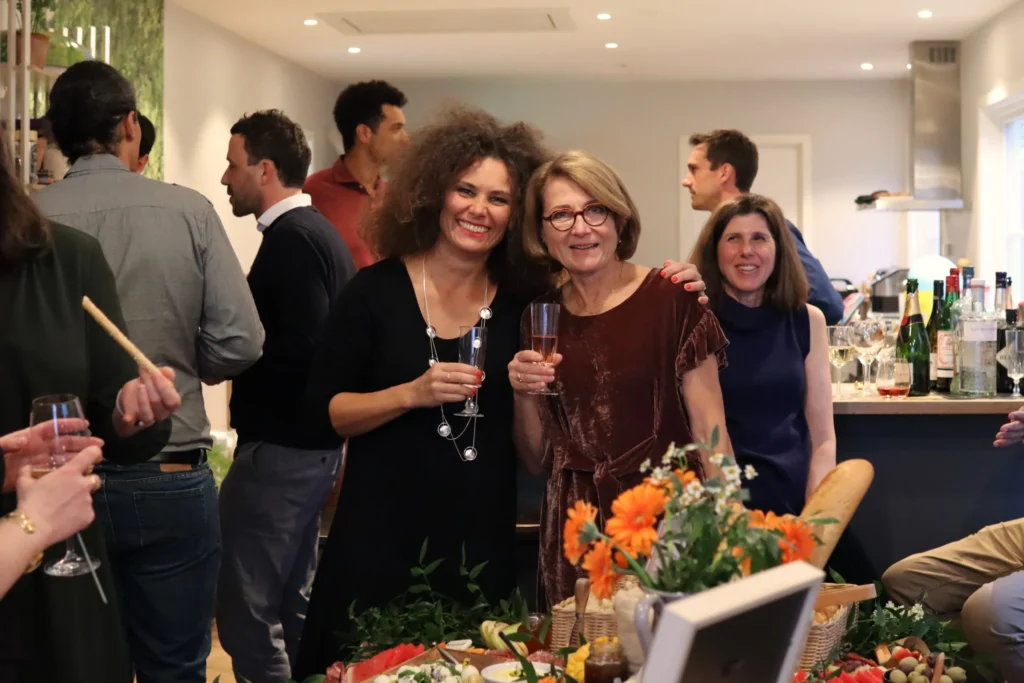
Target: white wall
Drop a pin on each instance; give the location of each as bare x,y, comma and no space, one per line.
212,78
991,77
859,139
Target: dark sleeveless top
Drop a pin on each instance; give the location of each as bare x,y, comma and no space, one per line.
619,403
764,387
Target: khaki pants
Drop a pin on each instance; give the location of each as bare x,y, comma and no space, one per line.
980,579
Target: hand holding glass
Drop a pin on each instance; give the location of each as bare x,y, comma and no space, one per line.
472,349
544,335
56,410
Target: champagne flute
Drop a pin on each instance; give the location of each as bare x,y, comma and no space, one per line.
55,409
544,336
472,348
840,351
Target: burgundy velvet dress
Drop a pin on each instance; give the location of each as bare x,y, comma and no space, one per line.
619,403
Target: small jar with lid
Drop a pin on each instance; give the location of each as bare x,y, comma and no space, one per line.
606,663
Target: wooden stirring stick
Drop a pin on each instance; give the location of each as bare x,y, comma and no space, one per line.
119,336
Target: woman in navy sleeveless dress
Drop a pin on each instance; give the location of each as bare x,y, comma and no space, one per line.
777,385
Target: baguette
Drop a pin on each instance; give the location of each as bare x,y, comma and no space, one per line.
837,497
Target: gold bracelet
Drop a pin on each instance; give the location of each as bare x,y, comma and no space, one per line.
29,527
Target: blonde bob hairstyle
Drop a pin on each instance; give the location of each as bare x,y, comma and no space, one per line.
597,179
786,288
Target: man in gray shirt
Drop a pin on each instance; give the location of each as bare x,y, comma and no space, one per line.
187,305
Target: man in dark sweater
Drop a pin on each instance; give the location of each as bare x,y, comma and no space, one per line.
283,468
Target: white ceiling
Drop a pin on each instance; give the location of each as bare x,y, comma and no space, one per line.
658,39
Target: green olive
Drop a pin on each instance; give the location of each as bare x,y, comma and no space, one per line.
956,674
908,664
897,676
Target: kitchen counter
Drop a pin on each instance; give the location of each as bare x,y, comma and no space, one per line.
938,478
850,403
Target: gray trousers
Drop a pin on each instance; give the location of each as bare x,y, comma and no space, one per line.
270,504
981,579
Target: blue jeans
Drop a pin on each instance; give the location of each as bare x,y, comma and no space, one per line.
163,534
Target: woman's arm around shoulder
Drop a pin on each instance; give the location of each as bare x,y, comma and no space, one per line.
818,401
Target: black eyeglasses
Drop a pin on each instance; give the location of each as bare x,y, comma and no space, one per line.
593,215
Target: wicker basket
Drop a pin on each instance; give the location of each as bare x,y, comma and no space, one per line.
596,624
822,638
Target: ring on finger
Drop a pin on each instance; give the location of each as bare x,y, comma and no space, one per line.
96,481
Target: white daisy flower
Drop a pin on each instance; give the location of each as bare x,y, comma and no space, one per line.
749,472
717,459
890,605
695,489
731,474
645,466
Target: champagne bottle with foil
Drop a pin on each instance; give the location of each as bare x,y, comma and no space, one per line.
943,346
912,344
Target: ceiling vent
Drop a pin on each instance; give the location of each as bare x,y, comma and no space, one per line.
497,20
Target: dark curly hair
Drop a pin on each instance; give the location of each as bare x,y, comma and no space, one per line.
363,103
408,221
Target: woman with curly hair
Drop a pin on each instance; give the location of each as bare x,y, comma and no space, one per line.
386,375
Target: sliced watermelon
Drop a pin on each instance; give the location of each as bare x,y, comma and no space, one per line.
385,660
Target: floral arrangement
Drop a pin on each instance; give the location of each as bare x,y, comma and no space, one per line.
676,534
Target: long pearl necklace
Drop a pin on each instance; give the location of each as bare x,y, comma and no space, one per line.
444,429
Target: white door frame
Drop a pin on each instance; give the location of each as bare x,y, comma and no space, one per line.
804,221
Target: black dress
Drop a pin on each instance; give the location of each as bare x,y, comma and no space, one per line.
403,482
56,629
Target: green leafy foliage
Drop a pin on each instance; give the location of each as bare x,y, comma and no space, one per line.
424,615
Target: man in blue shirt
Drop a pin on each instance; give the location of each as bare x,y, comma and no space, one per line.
722,166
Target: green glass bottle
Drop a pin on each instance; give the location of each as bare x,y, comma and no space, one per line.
912,344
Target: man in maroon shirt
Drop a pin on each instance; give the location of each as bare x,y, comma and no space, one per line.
372,126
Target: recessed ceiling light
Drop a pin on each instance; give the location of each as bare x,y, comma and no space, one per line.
311,22
611,46
867,66
604,16
909,67
355,50
925,14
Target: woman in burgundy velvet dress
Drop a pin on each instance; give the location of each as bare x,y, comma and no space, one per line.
639,356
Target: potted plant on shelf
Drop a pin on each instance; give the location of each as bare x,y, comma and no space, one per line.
677,536
41,26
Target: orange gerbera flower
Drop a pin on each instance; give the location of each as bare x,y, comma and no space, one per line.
579,515
756,520
798,540
601,571
738,552
634,514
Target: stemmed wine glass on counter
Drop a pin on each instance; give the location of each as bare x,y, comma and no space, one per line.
840,351
544,335
868,337
1011,357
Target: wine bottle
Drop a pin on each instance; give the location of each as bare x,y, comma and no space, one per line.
912,344
938,301
1004,385
943,346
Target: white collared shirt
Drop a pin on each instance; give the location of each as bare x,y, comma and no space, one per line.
281,208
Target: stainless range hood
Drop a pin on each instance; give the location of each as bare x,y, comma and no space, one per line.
935,182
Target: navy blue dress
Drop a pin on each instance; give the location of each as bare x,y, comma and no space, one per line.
763,389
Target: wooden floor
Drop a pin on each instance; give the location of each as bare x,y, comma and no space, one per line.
219,664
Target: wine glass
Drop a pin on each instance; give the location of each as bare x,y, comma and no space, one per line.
894,375
840,350
544,335
1011,357
868,337
55,409
472,347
